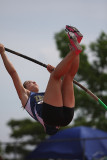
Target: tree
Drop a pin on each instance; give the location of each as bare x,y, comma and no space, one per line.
26,134
94,76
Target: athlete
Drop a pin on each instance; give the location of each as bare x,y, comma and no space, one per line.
54,107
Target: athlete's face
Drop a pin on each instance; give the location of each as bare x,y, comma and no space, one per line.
32,86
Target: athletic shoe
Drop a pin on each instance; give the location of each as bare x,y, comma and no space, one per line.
73,41
75,31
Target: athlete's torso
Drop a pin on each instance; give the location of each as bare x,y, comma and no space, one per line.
34,108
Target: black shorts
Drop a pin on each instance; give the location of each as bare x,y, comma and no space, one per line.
57,116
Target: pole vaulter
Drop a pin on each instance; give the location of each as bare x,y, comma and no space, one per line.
74,81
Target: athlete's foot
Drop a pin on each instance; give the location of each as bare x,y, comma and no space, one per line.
75,31
74,43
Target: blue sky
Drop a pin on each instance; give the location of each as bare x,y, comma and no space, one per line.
28,27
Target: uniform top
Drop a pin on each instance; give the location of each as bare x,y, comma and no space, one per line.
34,107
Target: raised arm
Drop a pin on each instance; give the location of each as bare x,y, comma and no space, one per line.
21,91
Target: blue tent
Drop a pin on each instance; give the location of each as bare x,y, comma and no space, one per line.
82,143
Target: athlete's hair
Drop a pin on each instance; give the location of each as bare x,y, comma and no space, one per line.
24,84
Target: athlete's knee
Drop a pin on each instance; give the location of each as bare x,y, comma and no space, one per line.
69,77
55,76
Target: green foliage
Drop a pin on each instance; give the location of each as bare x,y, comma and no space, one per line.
26,127
26,133
100,49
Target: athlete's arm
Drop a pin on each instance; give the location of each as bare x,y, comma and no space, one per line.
21,91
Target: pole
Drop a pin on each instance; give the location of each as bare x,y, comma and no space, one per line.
74,81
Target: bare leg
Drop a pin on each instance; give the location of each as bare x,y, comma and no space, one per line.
67,85
64,66
53,94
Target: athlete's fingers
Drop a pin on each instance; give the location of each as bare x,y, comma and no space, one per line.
50,68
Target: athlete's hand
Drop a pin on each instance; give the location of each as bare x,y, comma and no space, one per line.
50,68
2,49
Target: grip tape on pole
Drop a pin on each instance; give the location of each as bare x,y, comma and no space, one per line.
102,104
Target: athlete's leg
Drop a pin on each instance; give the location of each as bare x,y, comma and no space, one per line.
53,94
67,84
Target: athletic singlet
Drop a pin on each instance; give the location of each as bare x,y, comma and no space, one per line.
34,108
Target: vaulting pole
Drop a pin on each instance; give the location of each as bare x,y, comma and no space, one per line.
74,81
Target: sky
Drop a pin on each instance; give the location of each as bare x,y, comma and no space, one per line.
29,27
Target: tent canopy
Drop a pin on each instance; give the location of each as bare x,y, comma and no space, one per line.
73,143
